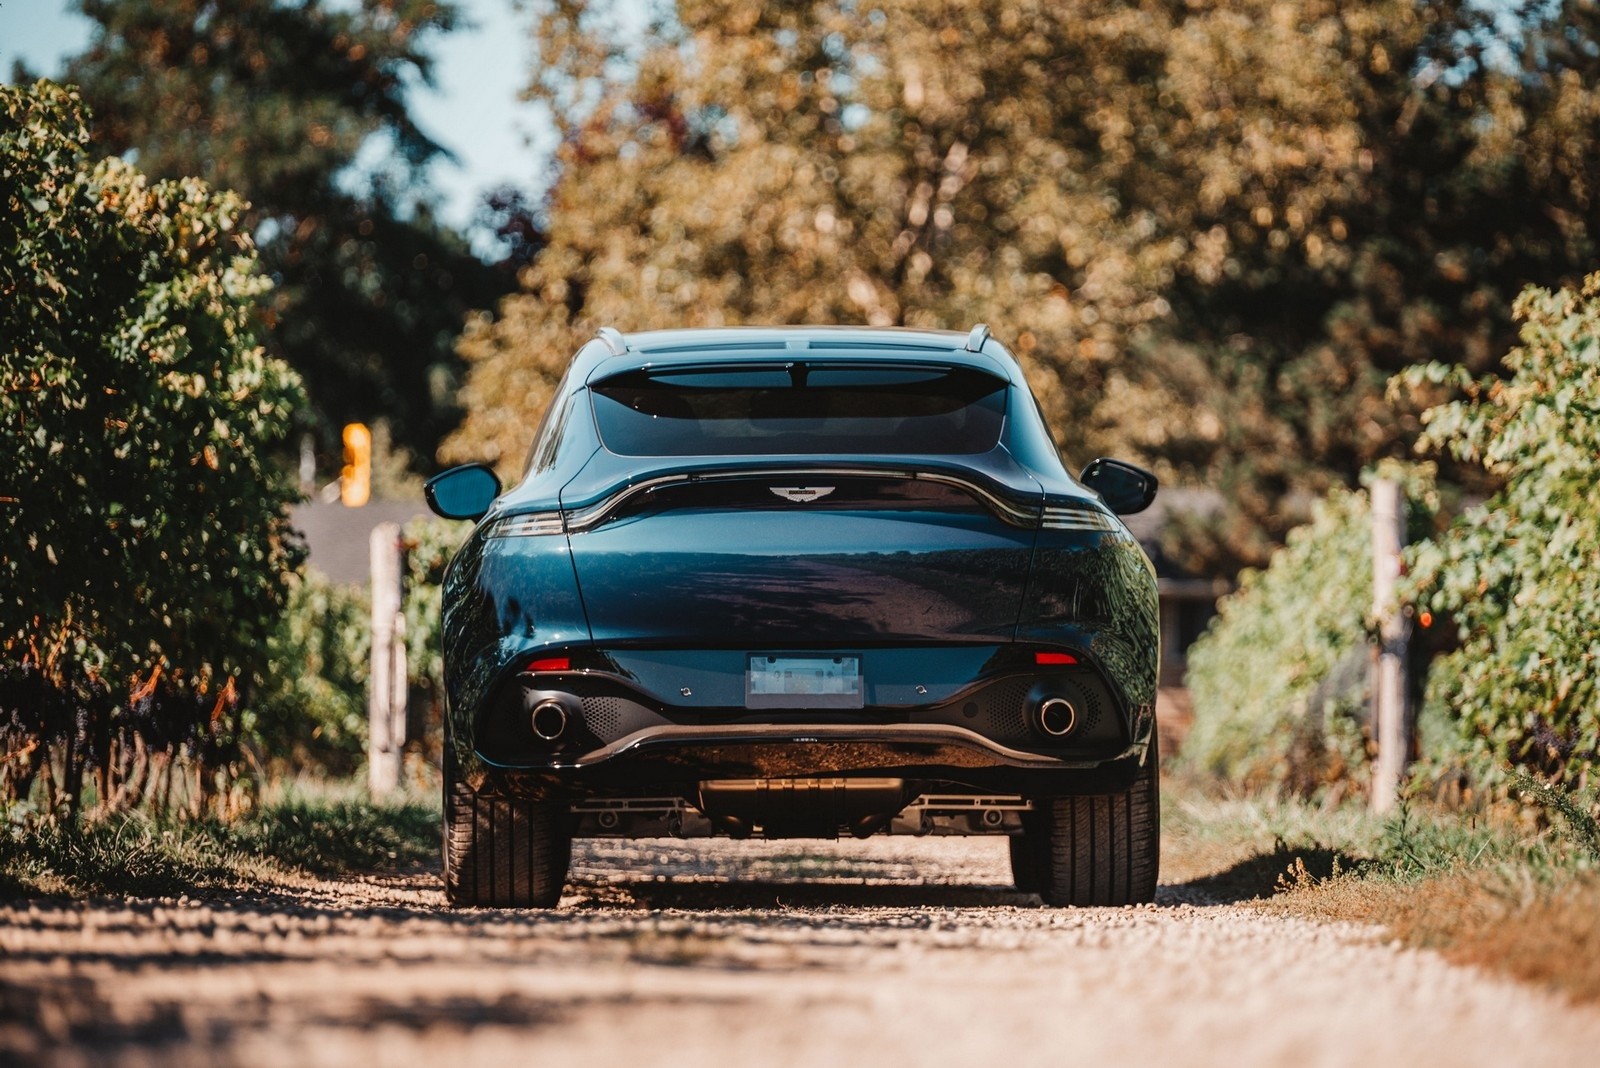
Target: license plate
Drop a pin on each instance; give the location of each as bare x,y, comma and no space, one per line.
804,682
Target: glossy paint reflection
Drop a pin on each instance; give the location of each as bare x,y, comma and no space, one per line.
502,597
1103,587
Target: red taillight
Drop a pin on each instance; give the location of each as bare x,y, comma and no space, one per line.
1054,659
552,663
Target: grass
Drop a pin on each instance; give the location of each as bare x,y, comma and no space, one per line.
1516,892
326,836
299,832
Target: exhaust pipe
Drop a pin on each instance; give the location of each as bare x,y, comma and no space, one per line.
549,720
1056,717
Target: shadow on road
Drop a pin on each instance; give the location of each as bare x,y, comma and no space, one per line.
1262,875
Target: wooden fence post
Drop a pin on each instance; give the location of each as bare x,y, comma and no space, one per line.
386,687
1392,714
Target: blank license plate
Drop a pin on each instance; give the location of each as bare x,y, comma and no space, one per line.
804,682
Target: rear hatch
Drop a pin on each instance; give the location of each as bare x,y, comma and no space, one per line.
768,506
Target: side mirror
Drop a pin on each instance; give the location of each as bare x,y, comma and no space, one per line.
462,492
1126,489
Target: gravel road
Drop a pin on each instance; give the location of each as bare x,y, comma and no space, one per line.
884,952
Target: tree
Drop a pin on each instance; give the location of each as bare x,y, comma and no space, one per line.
278,100
145,531
1211,231
752,163
1394,188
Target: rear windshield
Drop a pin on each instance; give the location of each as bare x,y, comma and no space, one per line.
795,408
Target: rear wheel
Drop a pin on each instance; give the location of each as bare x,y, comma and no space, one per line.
502,852
1100,849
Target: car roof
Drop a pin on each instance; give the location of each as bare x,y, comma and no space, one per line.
654,348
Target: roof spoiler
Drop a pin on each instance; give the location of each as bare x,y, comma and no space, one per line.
615,342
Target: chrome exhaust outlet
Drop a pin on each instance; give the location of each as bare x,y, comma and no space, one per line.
1056,717
549,720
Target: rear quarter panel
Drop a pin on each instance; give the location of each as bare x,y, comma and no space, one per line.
1098,590
503,598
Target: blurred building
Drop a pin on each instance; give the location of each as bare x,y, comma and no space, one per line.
339,539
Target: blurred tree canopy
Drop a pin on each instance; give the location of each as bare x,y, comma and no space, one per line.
1212,231
286,102
144,529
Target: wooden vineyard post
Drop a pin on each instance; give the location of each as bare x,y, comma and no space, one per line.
386,688
1392,715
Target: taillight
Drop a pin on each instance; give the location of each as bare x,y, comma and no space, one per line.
551,663
1054,659
533,525
1084,516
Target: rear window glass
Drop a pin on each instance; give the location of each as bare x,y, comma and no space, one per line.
818,409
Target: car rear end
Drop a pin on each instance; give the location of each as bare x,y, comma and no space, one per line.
799,585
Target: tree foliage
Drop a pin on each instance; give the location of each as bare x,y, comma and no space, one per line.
1401,180
1212,231
753,163
1521,574
300,108
144,531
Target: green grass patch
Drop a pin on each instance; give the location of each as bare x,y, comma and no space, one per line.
329,837
1206,833
318,832
122,855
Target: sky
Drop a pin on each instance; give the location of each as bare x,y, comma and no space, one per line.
473,110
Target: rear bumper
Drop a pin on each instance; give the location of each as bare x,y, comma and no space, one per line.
674,760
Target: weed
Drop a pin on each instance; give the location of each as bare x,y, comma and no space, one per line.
1575,807
1240,848
1410,847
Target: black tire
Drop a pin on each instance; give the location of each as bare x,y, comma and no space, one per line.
1025,862
502,852
1102,849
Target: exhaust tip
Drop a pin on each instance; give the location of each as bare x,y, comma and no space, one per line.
1056,716
549,720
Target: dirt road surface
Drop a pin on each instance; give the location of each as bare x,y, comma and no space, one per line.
884,952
